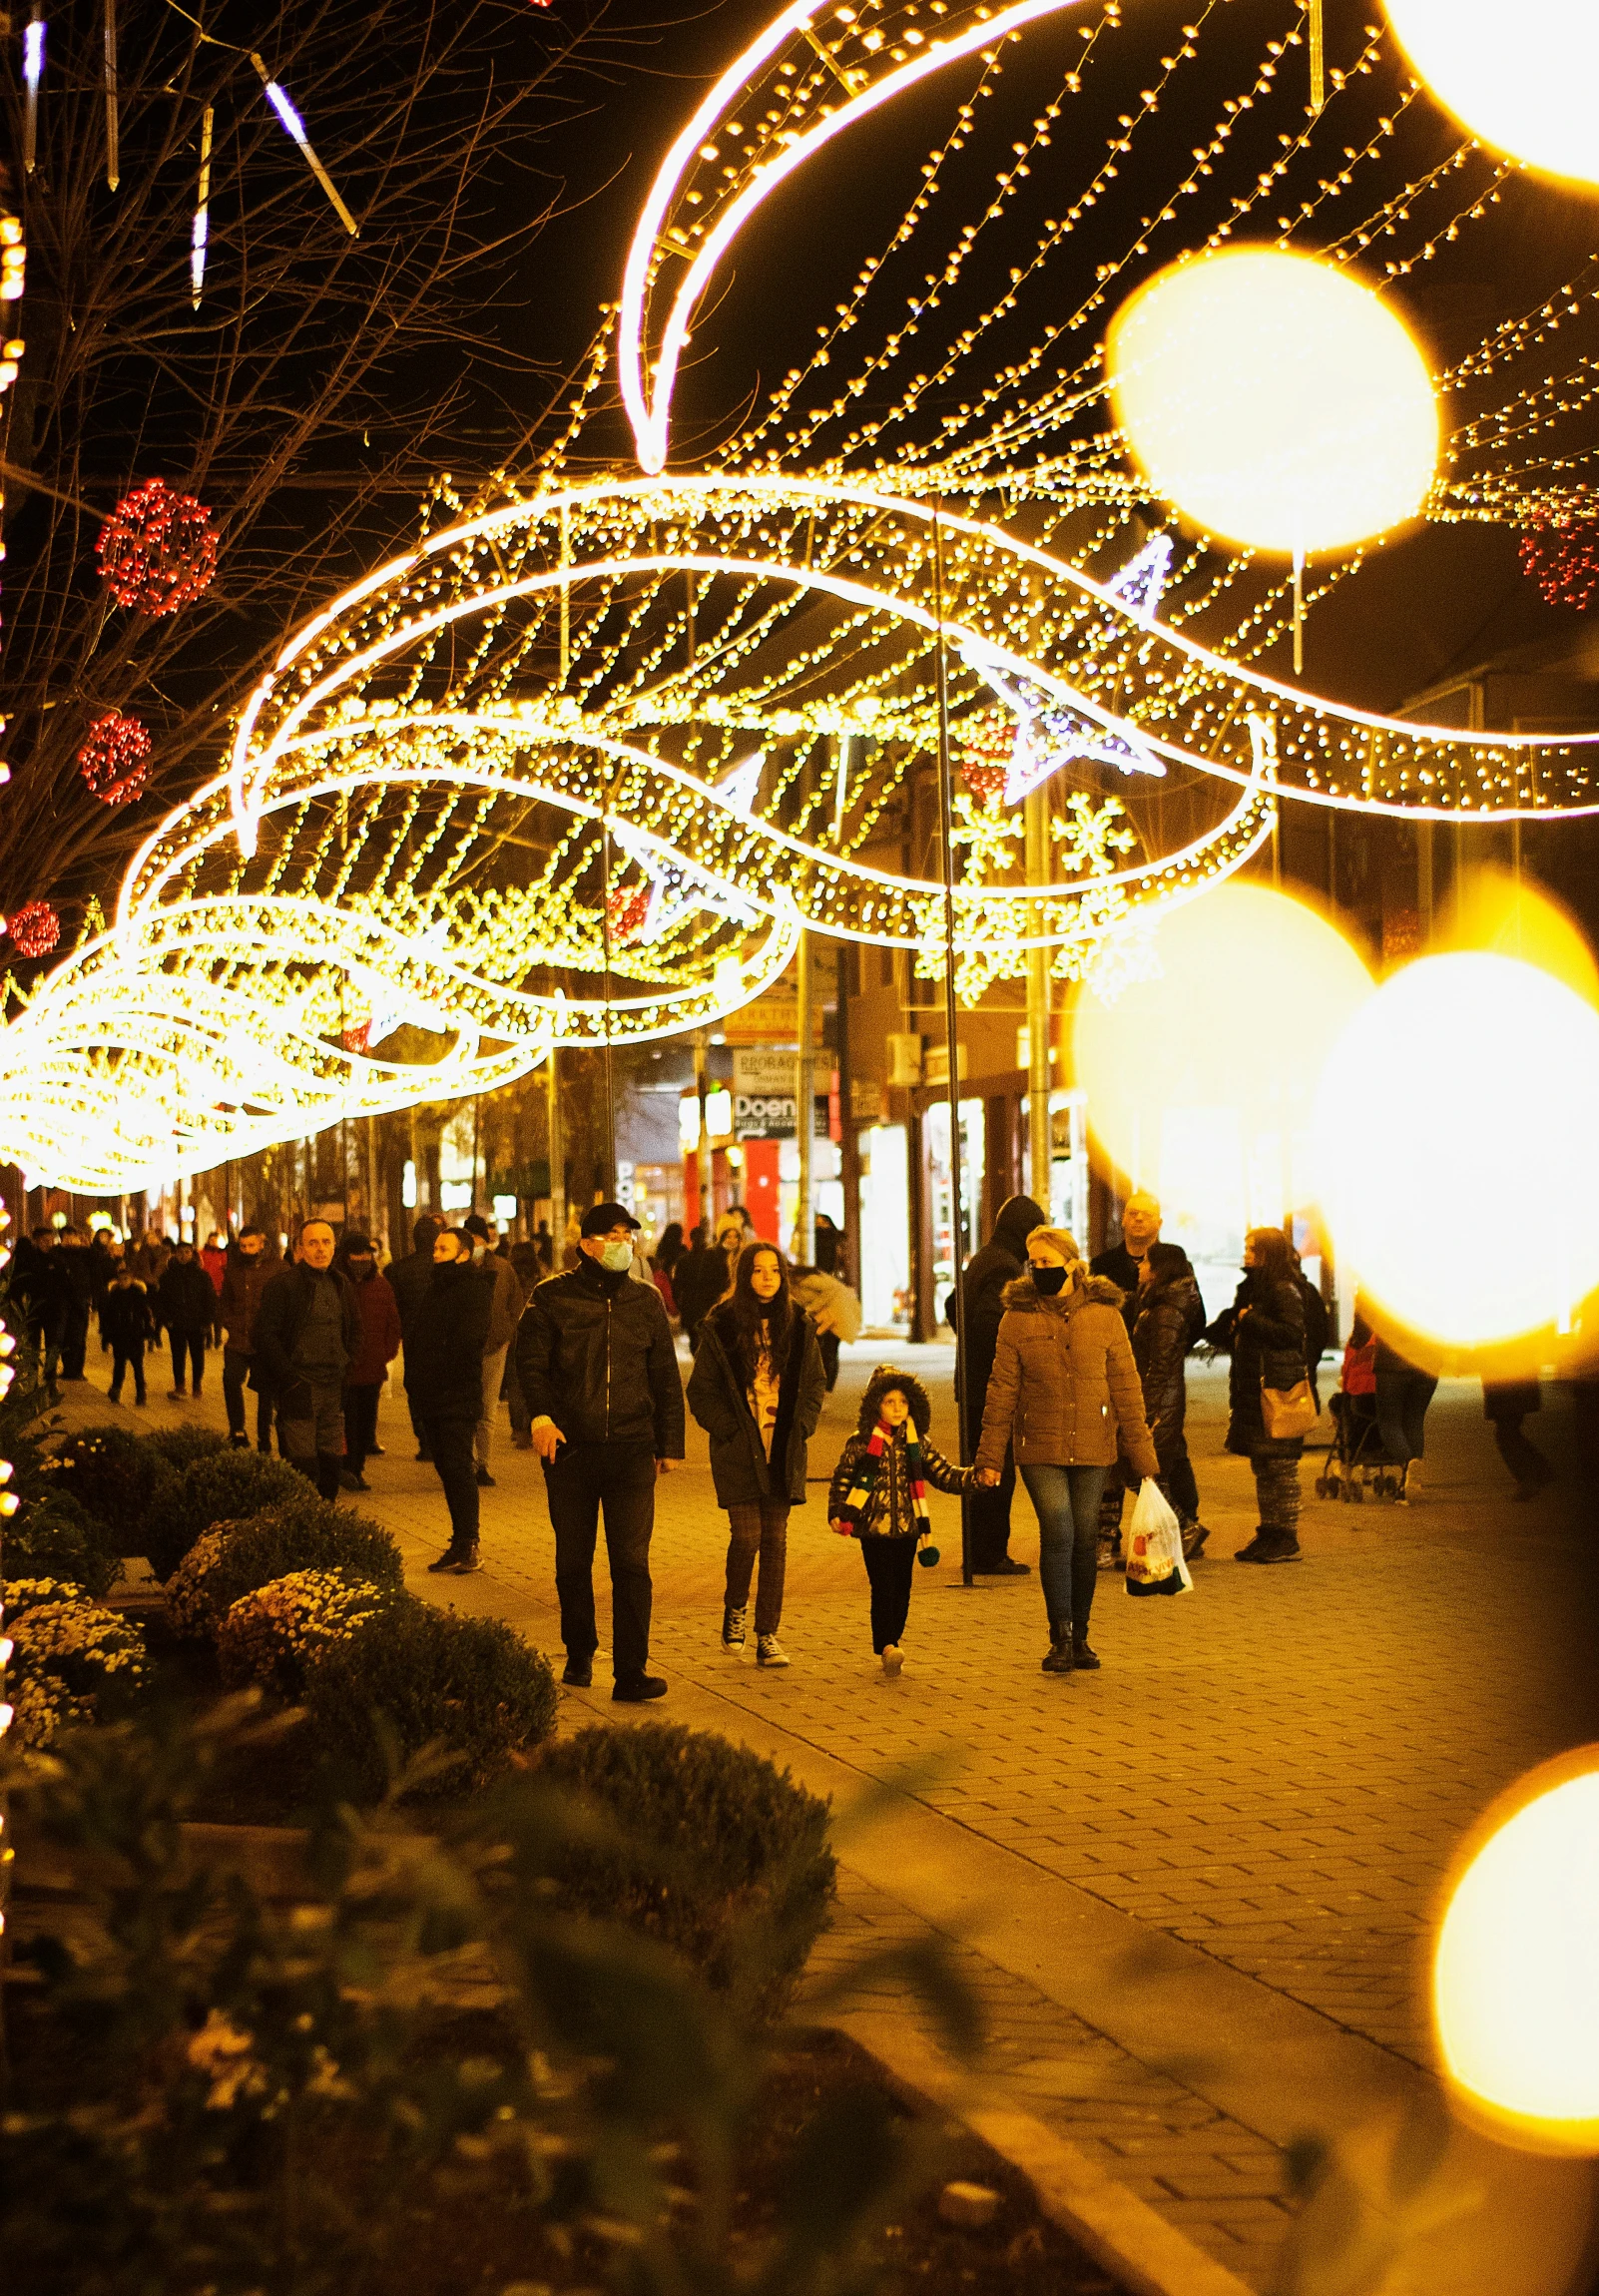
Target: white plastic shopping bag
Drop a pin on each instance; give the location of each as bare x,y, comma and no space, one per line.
1153,1545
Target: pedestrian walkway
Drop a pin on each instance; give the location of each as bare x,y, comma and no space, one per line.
1194,1888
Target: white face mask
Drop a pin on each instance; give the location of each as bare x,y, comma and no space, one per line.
616,1257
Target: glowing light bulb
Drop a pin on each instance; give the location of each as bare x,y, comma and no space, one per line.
1273,400
1521,81
1416,1133
1515,1974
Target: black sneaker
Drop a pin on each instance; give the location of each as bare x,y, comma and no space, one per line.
377,1452
239,1443
1251,1552
424,1457
486,1482
636,1689
471,1560
1006,1567
579,1673
453,1559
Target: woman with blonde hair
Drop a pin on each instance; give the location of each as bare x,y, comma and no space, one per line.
1065,1392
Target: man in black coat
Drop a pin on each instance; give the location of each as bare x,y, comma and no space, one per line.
39,1280
1002,1259
306,1335
444,1342
1124,1262
408,1278
595,1357
79,1269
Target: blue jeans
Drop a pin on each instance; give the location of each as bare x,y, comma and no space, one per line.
1066,1503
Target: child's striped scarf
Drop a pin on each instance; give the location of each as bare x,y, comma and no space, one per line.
868,1468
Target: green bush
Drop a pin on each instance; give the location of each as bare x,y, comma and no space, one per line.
54,1538
71,1661
270,1640
218,1487
116,1476
717,1853
182,1447
302,1533
413,1675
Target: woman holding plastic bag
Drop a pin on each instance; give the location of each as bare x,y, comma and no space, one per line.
1063,1390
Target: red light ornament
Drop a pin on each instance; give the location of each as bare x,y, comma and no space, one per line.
34,930
627,909
1563,559
985,753
156,550
115,759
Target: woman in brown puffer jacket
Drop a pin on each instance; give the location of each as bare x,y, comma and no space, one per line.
1064,1391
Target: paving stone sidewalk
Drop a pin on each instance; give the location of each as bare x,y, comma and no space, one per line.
1273,1772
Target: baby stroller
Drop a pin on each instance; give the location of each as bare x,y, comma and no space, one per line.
1357,1462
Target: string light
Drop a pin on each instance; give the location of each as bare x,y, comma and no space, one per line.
34,928
115,759
158,549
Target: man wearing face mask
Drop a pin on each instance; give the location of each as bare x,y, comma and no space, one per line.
600,1375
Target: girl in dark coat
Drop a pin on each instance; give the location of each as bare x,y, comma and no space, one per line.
1168,1317
878,1495
757,1389
1263,1331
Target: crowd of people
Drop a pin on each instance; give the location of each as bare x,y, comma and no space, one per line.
1075,1388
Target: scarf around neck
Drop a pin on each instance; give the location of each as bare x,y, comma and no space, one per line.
869,1465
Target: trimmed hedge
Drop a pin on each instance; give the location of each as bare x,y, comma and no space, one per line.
413,1675
719,1854
221,1485
273,1639
183,1447
303,1532
116,1476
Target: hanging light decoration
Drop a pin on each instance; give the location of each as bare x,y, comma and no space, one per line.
156,550
115,759
35,928
1562,557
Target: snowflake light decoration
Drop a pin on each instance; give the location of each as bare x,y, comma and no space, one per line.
156,550
115,759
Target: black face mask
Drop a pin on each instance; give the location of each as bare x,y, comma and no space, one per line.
1049,1280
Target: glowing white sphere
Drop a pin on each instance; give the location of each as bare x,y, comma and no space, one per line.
1274,400
1454,1133
1515,1973
1521,78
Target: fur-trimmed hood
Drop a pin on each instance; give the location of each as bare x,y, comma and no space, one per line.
1024,1297
883,1380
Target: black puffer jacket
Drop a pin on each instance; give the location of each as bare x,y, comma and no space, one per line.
982,1286
186,1297
1268,1348
409,1279
699,1281
444,1342
594,1354
1169,1319
891,1513
719,1402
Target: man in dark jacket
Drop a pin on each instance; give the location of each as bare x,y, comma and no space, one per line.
1124,1262
444,1342
251,1267
185,1302
600,1374
79,1269
307,1334
1002,1259
408,1278
40,1282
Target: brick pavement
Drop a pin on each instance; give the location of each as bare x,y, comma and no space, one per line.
1272,1774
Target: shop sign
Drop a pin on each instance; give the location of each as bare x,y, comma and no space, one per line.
764,1096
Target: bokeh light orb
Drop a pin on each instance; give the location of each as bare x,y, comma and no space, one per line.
1515,1973
1455,1138
1253,993
1273,400
1504,912
1521,78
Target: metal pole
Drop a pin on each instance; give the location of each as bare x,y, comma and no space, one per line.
557,1163
946,822
1040,1076
701,1087
605,937
805,1110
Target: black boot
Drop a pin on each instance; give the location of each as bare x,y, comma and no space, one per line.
1058,1657
329,1470
1251,1552
1084,1660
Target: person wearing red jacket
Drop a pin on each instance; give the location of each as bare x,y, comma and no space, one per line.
380,1344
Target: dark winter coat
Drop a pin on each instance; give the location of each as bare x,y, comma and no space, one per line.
444,1342
41,1282
410,1277
380,1331
126,1320
184,1299
719,1402
1267,1345
1064,1389
594,1354
1118,1265
891,1512
698,1279
243,1282
1002,1259
1168,1318
78,1265
284,1304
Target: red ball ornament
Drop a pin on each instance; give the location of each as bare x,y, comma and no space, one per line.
1563,559
627,909
985,753
156,550
115,759
34,930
